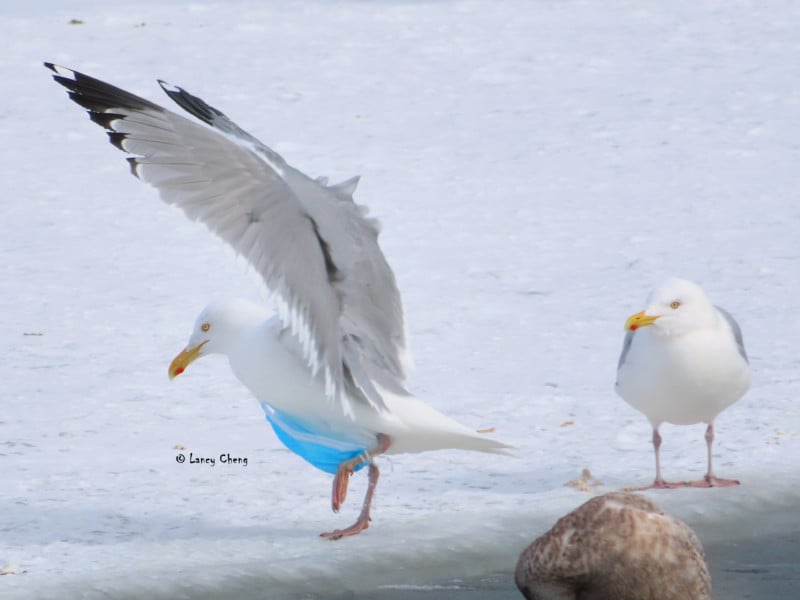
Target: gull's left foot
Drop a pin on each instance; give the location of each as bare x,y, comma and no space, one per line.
354,529
712,481
340,489
363,519
660,484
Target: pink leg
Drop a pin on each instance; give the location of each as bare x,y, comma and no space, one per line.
363,518
340,482
711,480
342,478
659,483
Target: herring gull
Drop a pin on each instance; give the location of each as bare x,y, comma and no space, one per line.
617,546
683,361
329,368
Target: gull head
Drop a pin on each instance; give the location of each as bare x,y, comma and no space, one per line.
673,308
217,327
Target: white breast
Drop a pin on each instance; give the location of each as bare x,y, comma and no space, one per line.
682,379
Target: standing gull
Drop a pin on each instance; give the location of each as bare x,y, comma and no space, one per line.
329,369
683,361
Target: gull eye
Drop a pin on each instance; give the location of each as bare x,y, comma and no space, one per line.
673,305
205,326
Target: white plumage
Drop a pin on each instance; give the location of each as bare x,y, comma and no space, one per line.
683,361
329,370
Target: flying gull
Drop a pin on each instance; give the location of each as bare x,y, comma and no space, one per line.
329,369
683,361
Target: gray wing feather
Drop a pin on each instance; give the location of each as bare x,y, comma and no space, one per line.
314,247
372,316
626,346
737,332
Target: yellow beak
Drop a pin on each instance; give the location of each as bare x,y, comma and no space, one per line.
186,357
638,320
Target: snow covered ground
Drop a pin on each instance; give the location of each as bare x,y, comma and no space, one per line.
537,167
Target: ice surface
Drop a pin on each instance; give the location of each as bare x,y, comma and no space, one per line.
537,168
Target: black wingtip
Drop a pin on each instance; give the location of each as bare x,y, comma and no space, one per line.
105,119
95,95
133,163
117,138
57,69
190,103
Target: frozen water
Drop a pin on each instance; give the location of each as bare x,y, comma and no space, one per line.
537,167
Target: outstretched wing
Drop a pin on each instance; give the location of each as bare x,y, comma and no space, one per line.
314,247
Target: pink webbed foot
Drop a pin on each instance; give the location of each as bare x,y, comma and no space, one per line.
340,482
712,481
363,519
360,525
660,484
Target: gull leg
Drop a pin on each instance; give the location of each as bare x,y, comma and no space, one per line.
342,478
659,483
657,447
711,480
363,520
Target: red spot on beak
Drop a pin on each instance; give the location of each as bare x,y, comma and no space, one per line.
179,370
633,328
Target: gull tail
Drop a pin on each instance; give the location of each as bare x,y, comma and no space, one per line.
422,428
